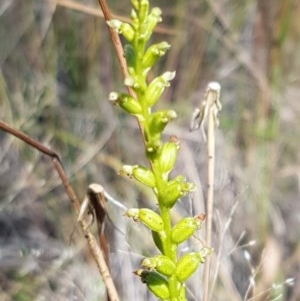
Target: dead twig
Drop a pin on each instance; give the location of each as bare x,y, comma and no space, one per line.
92,242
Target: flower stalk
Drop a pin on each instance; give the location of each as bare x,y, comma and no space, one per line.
165,273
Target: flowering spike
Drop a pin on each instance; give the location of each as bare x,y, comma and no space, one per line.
163,274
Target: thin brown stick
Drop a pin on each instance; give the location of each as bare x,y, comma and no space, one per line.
28,140
92,242
93,205
115,39
119,51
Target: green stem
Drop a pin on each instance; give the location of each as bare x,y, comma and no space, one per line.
170,249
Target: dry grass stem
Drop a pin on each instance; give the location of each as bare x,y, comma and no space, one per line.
210,198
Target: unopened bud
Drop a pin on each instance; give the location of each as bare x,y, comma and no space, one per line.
157,87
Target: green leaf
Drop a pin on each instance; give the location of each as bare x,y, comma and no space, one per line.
130,57
158,238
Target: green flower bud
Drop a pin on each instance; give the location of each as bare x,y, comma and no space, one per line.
126,102
153,18
161,264
159,121
140,173
153,53
182,293
157,87
122,28
148,217
144,175
153,147
174,190
151,219
135,4
157,284
185,228
168,156
143,10
134,19
127,31
187,265
171,194
158,238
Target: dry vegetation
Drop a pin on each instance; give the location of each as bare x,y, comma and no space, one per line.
57,68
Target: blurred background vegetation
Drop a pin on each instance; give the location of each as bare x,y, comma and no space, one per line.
57,68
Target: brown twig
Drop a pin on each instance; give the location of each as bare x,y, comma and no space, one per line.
115,39
92,242
97,200
95,203
119,51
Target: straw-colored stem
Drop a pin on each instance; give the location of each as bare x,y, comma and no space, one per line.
210,197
